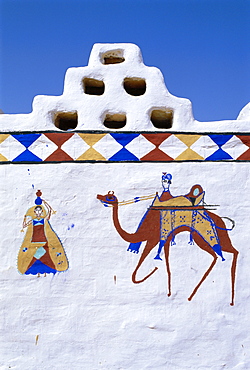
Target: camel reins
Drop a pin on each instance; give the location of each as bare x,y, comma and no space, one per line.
152,196
130,201
138,199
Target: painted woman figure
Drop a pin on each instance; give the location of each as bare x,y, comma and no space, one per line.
41,251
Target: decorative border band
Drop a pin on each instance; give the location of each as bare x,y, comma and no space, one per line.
54,147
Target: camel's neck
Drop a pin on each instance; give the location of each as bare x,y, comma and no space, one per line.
131,238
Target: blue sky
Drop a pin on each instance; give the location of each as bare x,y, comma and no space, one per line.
201,46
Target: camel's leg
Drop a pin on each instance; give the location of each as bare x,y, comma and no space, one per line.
203,245
226,246
233,270
148,247
166,251
204,277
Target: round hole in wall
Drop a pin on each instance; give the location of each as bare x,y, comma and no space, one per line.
134,86
66,120
162,118
92,86
112,57
115,121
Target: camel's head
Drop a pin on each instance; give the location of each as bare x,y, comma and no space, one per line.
108,199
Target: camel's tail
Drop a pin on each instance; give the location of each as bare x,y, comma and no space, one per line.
145,278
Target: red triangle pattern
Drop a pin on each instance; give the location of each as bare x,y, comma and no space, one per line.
59,139
156,139
246,155
156,154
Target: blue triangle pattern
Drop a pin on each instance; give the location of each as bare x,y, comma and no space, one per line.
39,268
26,139
27,156
124,139
218,155
123,155
220,139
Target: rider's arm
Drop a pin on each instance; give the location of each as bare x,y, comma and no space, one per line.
49,209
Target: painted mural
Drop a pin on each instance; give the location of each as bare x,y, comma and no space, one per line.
170,215
41,251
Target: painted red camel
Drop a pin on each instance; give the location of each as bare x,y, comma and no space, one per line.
150,231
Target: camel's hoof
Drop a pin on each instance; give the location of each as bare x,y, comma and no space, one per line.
169,294
158,257
232,304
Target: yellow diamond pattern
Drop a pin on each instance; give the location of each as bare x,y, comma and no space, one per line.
91,154
188,153
2,138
